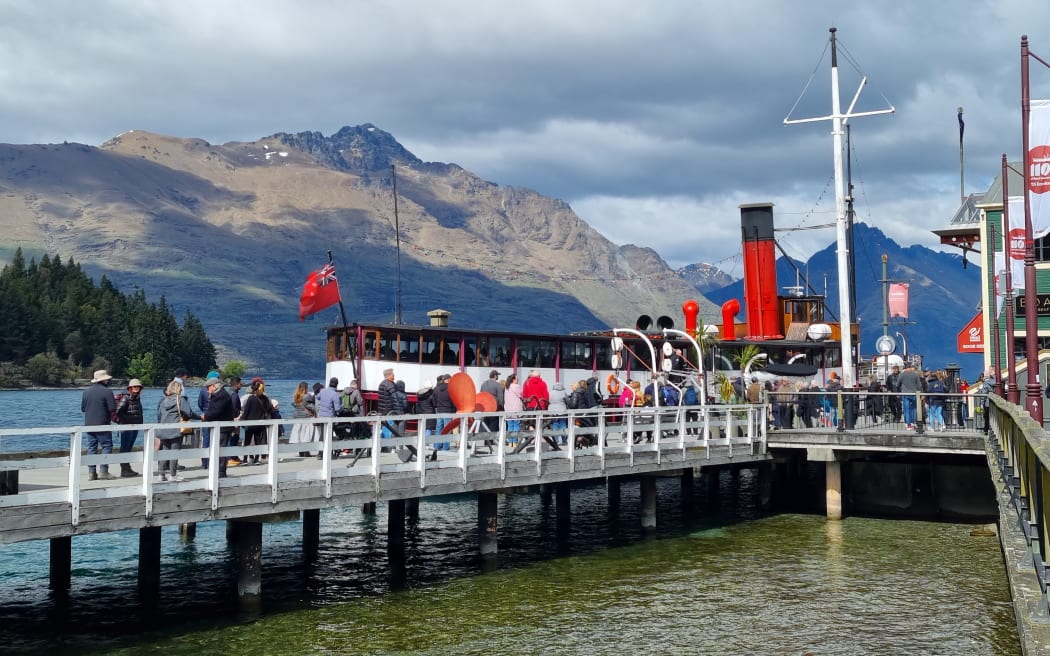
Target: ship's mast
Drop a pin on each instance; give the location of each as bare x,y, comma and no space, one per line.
838,121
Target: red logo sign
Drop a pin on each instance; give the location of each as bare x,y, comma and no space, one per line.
971,338
1017,249
1039,169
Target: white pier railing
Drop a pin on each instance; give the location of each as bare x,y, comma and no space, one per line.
360,449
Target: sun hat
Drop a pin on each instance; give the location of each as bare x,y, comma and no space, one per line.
101,376
134,382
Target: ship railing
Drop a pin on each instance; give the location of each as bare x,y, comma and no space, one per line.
922,412
372,446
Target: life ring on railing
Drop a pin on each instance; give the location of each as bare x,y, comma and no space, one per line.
612,384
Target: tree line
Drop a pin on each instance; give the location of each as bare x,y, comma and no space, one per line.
57,325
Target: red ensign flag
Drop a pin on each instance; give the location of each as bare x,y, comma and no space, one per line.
320,291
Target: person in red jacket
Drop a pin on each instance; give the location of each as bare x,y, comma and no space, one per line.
534,393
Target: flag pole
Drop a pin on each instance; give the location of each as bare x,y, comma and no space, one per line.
962,187
397,242
342,310
350,342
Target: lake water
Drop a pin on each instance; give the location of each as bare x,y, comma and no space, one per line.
719,576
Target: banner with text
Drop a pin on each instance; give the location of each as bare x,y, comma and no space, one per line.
1038,167
898,300
1014,244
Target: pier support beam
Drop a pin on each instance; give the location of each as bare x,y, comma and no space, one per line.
765,484
395,526
563,507
488,525
248,548
395,543
687,480
188,531
412,508
833,480
712,476
612,486
149,562
61,563
648,500
311,532
546,492
368,508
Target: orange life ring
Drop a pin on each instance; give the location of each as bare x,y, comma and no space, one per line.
612,384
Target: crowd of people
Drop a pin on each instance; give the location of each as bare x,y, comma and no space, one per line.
791,405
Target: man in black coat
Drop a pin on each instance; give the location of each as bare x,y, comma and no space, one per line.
442,405
220,408
98,406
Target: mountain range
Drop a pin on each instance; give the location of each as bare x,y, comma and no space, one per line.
231,231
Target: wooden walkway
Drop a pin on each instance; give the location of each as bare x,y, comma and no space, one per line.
54,498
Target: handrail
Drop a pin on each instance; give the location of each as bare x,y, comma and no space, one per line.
598,432
1021,448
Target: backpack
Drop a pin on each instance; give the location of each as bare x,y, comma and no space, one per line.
594,397
691,397
536,403
115,418
669,396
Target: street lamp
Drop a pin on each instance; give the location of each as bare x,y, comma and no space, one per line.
905,343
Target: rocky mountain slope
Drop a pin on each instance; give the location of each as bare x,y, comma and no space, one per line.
231,231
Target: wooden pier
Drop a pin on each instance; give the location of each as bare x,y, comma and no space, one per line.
49,496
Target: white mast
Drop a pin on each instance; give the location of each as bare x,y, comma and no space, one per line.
838,121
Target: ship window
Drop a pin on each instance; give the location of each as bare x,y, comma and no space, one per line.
499,351
371,339
833,357
388,346
528,352
450,354
470,351
575,355
431,350
409,348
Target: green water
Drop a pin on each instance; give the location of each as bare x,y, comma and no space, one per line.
789,584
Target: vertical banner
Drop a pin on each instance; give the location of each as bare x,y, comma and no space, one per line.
898,300
1038,168
1014,242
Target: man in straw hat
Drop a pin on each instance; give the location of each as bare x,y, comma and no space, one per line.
98,406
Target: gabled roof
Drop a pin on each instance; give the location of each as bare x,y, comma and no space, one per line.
994,196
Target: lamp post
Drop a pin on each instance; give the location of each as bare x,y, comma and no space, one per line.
1031,317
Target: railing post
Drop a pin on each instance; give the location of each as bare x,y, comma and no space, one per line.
920,415
147,470
840,414
76,440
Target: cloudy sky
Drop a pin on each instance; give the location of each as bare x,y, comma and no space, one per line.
654,120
